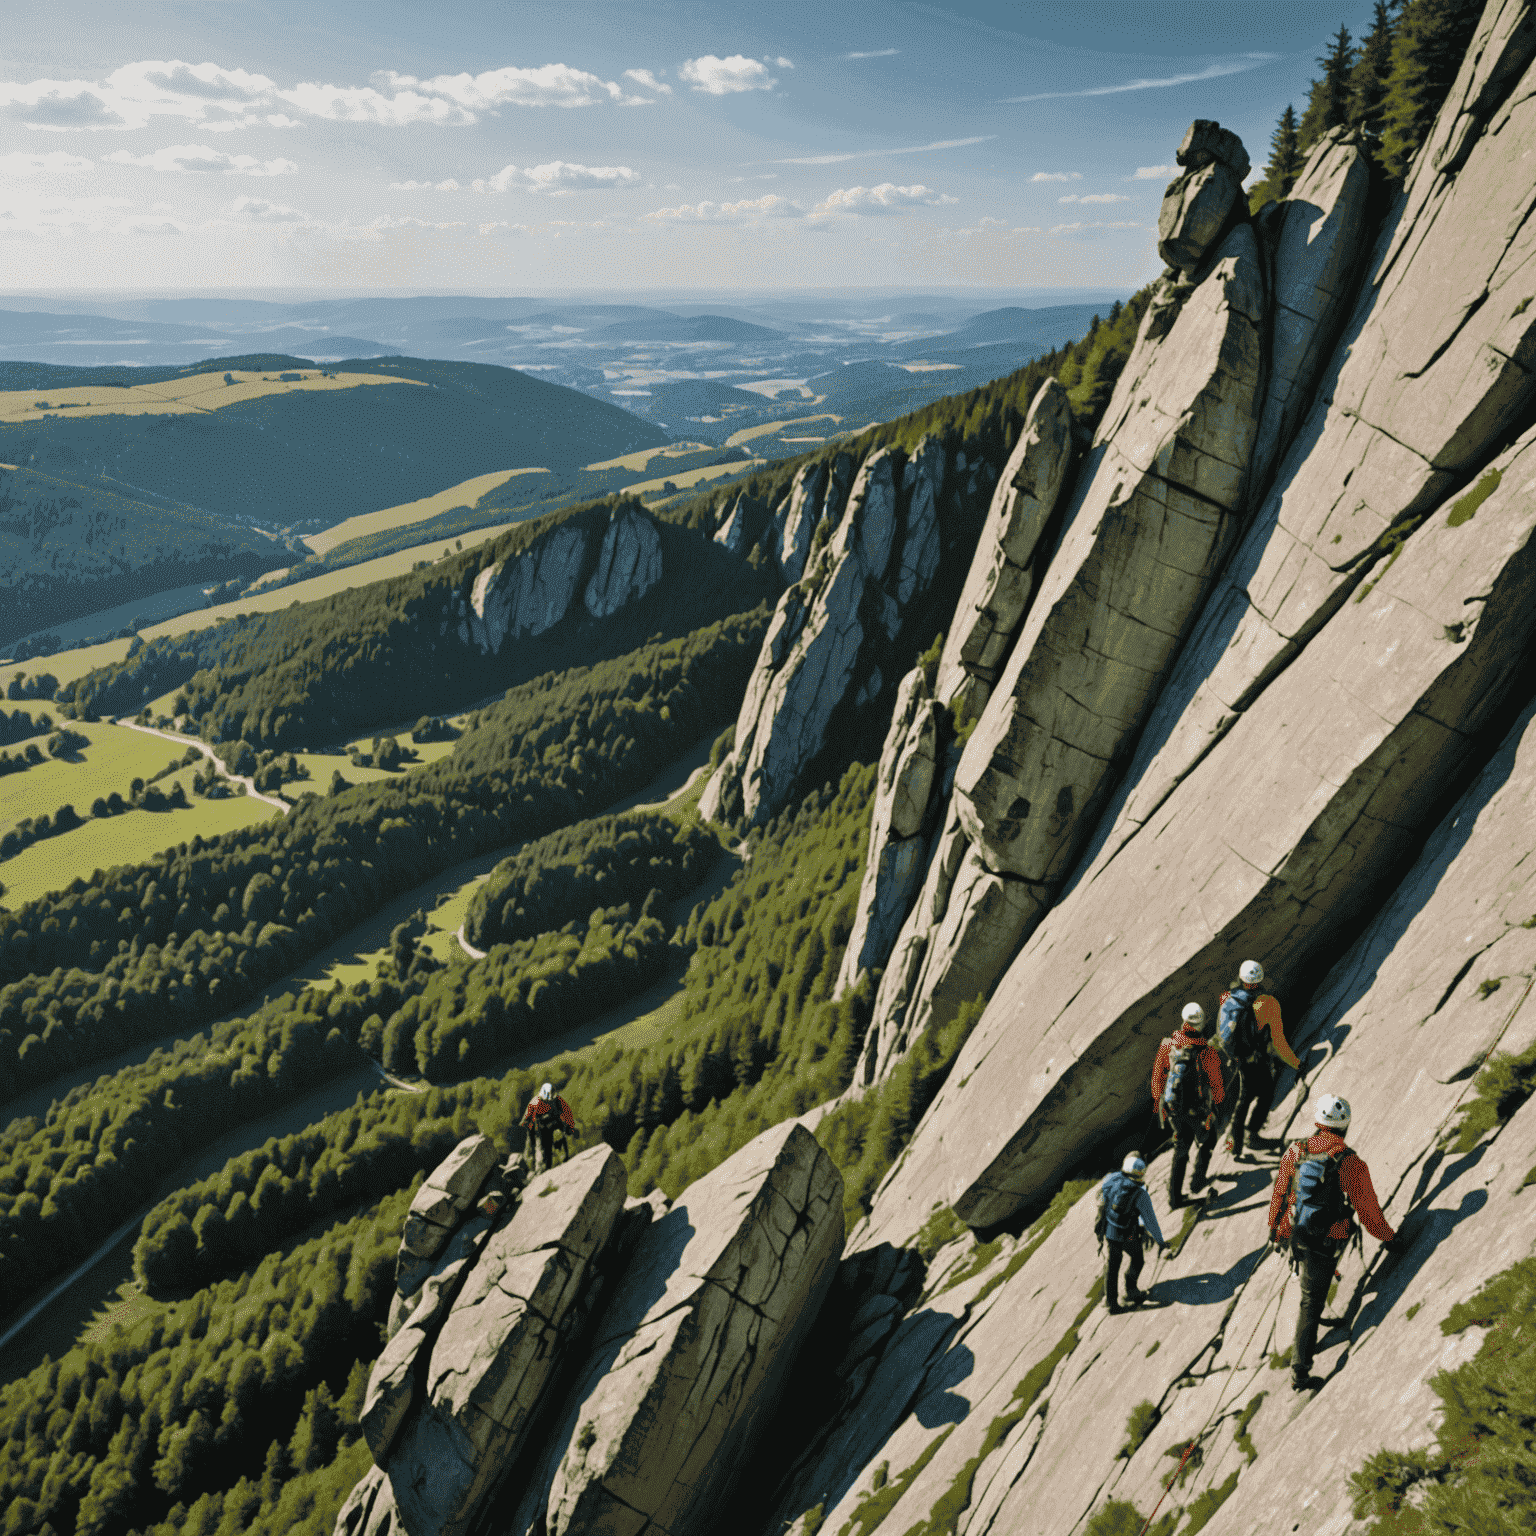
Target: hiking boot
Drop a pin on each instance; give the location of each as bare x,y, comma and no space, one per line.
1134,1298
1113,1308
1308,1383
1177,1202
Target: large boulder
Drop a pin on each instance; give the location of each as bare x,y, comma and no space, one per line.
446,1194
1317,257
999,582
1154,513
693,1347
628,564
1195,210
1283,835
501,1343
1431,376
898,845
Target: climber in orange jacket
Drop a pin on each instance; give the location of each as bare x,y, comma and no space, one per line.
1322,1184
547,1115
1186,1088
1251,1034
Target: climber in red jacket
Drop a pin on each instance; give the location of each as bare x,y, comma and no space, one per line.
1186,1088
547,1116
1322,1184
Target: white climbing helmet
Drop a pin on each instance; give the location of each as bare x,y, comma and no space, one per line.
1194,1017
1333,1112
1133,1167
547,1092
1250,973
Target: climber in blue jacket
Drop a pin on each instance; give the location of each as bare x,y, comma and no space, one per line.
1125,1211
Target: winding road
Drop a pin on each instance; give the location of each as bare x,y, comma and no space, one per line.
208,752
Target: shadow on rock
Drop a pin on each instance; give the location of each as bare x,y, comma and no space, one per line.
942,1404
1209,1288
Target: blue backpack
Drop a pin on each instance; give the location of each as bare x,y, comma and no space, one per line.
1317,1196
1184,1092
1120,1220
1237,1029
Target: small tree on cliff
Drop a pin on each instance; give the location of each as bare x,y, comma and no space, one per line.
1427,50
1328,103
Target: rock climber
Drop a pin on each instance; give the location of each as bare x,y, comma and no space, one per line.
1321,1185
1187,1087
1251,1035
547,1116
1125,1212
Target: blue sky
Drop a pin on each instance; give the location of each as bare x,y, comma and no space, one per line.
539,146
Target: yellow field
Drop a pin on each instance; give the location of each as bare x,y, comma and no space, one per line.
768,428
321,765
396,564
113,760
468,493
131,838
686,479
197,392
66,666
643,456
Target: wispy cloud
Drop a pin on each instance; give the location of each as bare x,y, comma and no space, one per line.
181,158
450,185
257,210
724,77
1213,71
557,177
1153,172
19,163
1057,176
987,225
131,96
392,221
1084,227
752,211
1095,197
887,198
644,78
870,154
876,53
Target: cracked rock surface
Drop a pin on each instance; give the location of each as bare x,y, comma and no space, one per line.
799,519
1347,752
529,593
692,1346
628,564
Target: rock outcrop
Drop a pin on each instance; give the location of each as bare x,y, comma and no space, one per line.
733,531
898,833
799,517
822,646
1001,577
530,592
1197,205
628,564
1152,518
693,1346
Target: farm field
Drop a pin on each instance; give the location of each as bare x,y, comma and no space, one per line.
778,428
68,665
201,392
467,493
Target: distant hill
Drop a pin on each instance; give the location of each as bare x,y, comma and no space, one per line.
663,327
1043,328
70,548
308,460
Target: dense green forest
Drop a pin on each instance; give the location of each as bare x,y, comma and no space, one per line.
201,928
608,858
1387,88
309,459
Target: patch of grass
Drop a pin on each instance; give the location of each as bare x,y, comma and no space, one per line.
1138,1426
1157,1344
1465,508
944,1518
812,1519
941,1228
1051,1218
881,1500
1190,1456
1278,1362
982,1256
1121,1518
1244,1419
1413,1311
1191,1216
1503,1085
1206,1505
1489,985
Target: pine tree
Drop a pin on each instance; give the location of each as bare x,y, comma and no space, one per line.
1328,102
1284,162
1427,50
1368,80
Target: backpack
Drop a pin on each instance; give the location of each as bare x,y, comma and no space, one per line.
1119,1210
1237,1029
1184,1092
1317,1196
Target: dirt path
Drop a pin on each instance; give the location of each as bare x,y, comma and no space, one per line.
208,752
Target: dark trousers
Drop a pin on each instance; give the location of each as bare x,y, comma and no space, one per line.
1255,1091
1131,1249
1316,1271
543,1139
1185,1135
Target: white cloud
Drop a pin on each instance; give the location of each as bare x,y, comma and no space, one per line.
769,206
391,221
1083,227
558,177
645,79
1095,197
282,120
550,85
783,63
878,53
131,96
1153,172
33,211
868,154
450,185
723,77
256,210
19,163
1230,66
202,157
987,225
363,104
1057,176
886,198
